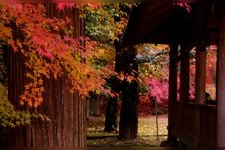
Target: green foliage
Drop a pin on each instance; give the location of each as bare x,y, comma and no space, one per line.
103,55
107,22
9,117
3,69
159,59
104,24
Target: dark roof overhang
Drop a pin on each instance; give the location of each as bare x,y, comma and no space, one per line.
160,23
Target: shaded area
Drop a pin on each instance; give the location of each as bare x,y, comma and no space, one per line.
147,137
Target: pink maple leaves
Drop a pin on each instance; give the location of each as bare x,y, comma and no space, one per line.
158,90
62,6
184,5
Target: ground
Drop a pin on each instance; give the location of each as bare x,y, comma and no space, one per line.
147,133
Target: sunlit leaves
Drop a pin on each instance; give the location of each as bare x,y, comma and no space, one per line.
63,6
107,22
159,59
50,50
154,72
5,33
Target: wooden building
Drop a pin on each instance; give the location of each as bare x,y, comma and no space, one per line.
184,27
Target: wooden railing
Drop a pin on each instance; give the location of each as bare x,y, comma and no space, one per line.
195,125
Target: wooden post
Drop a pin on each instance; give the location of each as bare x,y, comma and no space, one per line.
200,37
200,79
156,119
184,86
220,81
184,58
184,71
184,74
172,90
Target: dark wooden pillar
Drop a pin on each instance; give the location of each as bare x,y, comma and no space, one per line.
200,79
172,141
184,74
200,37
184,86
129,110
220,93
184,57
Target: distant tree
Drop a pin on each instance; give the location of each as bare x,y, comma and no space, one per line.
130,93
105,25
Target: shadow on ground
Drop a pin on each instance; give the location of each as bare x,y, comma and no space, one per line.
147,133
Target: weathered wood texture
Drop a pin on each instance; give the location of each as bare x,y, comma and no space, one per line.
200,80
194,123
206,124
201,19
67,112
220,80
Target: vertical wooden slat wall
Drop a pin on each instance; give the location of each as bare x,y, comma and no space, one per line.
66,111
220,80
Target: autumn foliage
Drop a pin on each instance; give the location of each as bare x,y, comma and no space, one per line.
50,50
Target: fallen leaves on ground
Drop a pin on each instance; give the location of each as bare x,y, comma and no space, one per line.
147,133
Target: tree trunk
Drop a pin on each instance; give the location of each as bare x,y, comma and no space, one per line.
129,112
111,115
112,106
129,109
93,104
114,83
66,111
